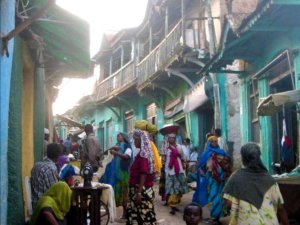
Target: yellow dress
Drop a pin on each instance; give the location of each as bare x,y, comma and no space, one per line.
157,162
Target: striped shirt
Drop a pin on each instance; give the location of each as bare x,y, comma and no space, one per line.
43,175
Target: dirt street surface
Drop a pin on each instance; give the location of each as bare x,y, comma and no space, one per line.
162,212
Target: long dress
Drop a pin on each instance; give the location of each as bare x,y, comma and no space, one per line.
176,184
117,175
215,165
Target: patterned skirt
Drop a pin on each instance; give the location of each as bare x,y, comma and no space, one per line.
142,214
176,184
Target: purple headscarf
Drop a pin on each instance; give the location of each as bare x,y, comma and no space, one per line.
62,160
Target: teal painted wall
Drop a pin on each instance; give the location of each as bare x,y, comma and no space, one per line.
192,122
244,111
15,213
223,103
7,24
265,127
39,112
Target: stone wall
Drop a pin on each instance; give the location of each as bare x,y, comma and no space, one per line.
233,114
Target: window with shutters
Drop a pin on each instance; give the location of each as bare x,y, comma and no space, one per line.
129,122
152,113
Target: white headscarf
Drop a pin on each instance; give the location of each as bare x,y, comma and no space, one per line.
145,150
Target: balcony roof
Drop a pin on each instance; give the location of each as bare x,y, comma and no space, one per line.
110,41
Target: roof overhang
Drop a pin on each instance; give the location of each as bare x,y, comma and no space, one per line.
70,122
269,19
66,39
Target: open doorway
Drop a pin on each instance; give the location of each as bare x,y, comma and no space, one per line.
290,115
182,133
206,122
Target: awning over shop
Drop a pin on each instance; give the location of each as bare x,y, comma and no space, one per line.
70,122
274,102
66,38
196,97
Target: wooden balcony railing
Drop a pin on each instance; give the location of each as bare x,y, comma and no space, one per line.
157,59
115,82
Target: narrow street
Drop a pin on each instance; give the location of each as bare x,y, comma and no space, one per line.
79,81
165,218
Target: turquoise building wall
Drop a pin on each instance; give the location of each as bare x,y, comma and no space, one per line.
7,23
221,78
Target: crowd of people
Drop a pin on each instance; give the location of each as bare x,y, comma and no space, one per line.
249,196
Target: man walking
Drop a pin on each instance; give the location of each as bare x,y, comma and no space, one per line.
92,152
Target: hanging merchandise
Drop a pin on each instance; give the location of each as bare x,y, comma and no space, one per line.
287,153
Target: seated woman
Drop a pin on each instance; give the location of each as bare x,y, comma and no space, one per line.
67,171
53,205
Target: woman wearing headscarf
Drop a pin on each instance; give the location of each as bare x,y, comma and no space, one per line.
162,180
117,175
53,205
151,130
140,208
212,173
176,184
252,194
66,171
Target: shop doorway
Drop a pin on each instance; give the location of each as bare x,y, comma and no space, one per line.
290,115
206,122
182,133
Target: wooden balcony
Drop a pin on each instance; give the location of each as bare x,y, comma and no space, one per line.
117,82
160,56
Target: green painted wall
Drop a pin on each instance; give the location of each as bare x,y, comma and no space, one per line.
244,111
192,122
265,127
15,213
223,103
39,112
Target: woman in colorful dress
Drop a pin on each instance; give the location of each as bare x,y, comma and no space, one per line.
252,194
212,173
140,208
162,180
117,172
176,184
